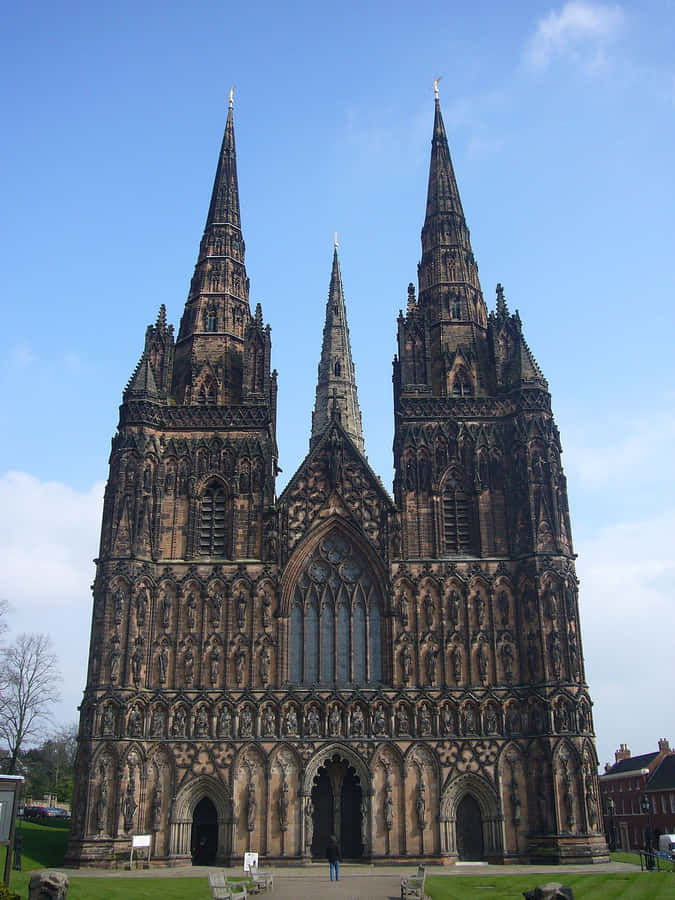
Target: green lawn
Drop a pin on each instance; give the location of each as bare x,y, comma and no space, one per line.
630,886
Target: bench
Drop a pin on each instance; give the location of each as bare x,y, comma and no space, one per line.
260,881
222,889
413,887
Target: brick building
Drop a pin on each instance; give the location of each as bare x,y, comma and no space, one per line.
404,670
626,784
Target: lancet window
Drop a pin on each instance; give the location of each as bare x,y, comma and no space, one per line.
212,519
336,618
456,517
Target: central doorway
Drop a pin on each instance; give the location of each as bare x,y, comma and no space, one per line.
337,795
469,829
204,838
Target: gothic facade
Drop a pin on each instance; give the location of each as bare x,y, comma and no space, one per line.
405,671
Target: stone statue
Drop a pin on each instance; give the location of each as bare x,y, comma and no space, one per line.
491,723
312,722
141,606
135,722
268,723
380,721
102,803
446,721
251,807
225,722
163,664
118,601
406,664
334,721
421,807
136,664
190,608
166,610
364,822
108,721
479,604
291,722
266,609
246,723
201,723
114,663
179,722
239,665
402,721
215,665
265,662
430,663
157,809
503,602
241,610
591,804
157,723
189,665
129,805
532,657
453,610
404,606
469,720
283,805
358,722
216,608
456,657
309,821
425,721
429,608
482,661
388,806
507,661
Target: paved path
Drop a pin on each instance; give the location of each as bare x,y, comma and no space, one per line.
357,882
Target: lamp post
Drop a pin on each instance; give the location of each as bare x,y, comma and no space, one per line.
647,810
611,836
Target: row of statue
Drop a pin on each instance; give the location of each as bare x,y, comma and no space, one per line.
424,720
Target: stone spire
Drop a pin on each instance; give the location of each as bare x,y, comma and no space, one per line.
448,274
217,313
336,394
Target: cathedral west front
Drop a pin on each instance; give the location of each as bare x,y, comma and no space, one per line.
403,670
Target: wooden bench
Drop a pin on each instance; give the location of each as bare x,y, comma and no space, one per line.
413,888
260,881
222,889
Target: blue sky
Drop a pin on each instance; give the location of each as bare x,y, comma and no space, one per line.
560,118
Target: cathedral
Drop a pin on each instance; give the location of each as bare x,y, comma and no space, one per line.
403,670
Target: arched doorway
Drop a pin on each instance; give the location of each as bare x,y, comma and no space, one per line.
204,837
469,829
337,796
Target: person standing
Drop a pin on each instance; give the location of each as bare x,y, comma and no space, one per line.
333,857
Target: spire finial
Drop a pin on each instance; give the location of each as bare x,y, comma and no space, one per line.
436,80
230,99
335,240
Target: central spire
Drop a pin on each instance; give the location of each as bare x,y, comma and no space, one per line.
448,274
336,394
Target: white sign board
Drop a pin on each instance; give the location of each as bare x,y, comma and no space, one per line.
140,840
250,859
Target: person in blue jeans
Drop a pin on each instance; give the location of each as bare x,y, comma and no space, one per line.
333,857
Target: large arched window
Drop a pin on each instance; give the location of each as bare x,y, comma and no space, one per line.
456,518
213,521
336,618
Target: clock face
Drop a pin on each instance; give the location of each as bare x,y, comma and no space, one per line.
318,571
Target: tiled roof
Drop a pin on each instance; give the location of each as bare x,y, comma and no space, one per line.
633,763
664,776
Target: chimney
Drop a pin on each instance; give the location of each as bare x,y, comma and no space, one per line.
622,753
664,745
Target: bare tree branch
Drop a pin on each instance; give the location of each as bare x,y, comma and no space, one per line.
29,686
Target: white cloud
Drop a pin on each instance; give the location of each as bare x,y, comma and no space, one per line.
48,538
638,453
627,572
21,356
579,31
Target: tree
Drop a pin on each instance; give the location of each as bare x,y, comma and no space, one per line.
49,768
29,685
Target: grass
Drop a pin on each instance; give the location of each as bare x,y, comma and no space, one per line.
600,886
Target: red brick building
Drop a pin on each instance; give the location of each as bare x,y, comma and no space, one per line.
626,784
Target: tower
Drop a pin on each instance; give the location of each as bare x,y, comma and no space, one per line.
405,672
